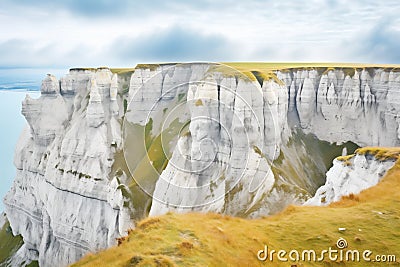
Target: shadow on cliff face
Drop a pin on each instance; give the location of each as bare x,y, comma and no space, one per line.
305,159
301,166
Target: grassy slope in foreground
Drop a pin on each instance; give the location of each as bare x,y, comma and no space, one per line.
371,219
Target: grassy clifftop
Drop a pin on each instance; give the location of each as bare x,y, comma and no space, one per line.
262,71
371,221
258,71
263,67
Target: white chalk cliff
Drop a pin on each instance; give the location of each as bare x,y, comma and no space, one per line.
350,177
63,201
199,137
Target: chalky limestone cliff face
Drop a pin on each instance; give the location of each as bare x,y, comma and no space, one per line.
104,148
350,177
63,201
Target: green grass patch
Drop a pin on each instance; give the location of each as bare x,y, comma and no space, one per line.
158,150
33,264
9,244
146,153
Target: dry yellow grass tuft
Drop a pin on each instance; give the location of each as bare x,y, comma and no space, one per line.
371,220
381,153
198,102
345,158
148,222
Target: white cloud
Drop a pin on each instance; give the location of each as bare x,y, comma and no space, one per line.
54,33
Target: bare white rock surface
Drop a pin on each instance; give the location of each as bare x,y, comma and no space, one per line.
63,201
359,173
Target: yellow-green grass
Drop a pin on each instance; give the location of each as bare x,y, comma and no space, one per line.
260,71
262,66
113,70
371,220
381,153
266,67
266,70
122,70
345,158
147,66
154,66
153,162
9,244
245,71
144,157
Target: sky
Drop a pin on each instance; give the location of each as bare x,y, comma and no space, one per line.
11,126
76,33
